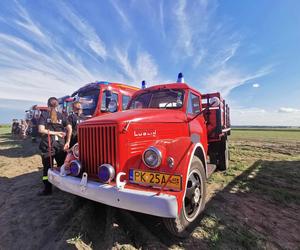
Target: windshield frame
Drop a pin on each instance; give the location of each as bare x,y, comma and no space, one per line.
183,99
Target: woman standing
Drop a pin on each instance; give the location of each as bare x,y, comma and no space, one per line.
54,140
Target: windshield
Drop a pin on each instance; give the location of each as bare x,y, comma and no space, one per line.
166,98
88,100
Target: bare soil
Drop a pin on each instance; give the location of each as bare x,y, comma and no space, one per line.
253,205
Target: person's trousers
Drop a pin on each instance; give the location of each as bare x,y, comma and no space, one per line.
59,158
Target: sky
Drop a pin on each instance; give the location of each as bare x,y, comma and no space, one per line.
246,50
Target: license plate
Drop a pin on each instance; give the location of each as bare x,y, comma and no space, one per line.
155,179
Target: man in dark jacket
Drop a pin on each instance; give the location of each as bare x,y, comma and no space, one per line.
74,119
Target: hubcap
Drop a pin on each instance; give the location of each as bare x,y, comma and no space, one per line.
197,195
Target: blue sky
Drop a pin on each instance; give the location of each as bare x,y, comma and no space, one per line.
248,50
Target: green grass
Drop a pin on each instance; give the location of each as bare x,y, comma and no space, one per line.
220,232
4,129
273,134
264,163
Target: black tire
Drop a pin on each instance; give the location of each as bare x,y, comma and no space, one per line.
224,155
183,225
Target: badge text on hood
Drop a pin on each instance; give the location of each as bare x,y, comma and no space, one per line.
144,133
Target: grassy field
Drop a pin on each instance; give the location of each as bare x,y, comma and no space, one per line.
266,134
4,129
263,182
254,204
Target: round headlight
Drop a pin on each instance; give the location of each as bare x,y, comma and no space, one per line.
75,167
75,150
106,173
152,157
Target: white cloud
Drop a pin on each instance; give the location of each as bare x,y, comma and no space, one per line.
144,67
263,117
288,110
184,34
226,79
27,23
224,55
161,19
31,74
255,85
121,13
88,33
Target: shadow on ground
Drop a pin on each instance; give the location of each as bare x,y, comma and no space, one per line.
14,147
258,209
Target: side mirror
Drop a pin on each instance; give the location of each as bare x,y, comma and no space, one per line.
112,106
214,102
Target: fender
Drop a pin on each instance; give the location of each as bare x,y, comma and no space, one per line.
200,146
197,145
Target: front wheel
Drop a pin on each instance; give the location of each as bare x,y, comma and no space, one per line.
193,202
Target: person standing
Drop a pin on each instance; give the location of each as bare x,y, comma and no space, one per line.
14,127
24,127
54,140
74,119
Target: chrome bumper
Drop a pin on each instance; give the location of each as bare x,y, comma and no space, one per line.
162,205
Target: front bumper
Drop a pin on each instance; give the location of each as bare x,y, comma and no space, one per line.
162,205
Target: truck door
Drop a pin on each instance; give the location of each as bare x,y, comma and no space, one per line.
197,125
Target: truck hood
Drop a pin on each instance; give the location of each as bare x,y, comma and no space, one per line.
141,115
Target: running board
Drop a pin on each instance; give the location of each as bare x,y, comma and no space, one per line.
210,169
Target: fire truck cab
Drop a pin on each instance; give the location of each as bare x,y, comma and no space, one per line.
154,157
35,111
65,104
101,97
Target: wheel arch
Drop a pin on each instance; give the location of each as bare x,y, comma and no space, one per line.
200,153
197,150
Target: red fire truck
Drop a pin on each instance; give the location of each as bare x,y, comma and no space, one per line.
153,158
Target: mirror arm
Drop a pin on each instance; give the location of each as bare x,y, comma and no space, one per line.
200,113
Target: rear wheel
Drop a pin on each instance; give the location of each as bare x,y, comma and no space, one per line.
193,202
224,155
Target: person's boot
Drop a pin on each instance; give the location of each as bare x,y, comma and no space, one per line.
47,189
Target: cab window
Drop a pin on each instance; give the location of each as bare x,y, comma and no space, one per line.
114,97
193,104
125,101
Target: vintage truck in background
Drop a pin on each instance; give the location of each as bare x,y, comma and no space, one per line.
154,157
65,105
98,98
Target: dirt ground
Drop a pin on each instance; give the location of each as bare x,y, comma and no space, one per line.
253,205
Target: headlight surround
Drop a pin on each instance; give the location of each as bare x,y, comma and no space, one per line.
106,173
75,167
75,150
152,157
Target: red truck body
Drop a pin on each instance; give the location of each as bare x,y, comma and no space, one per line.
172,126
